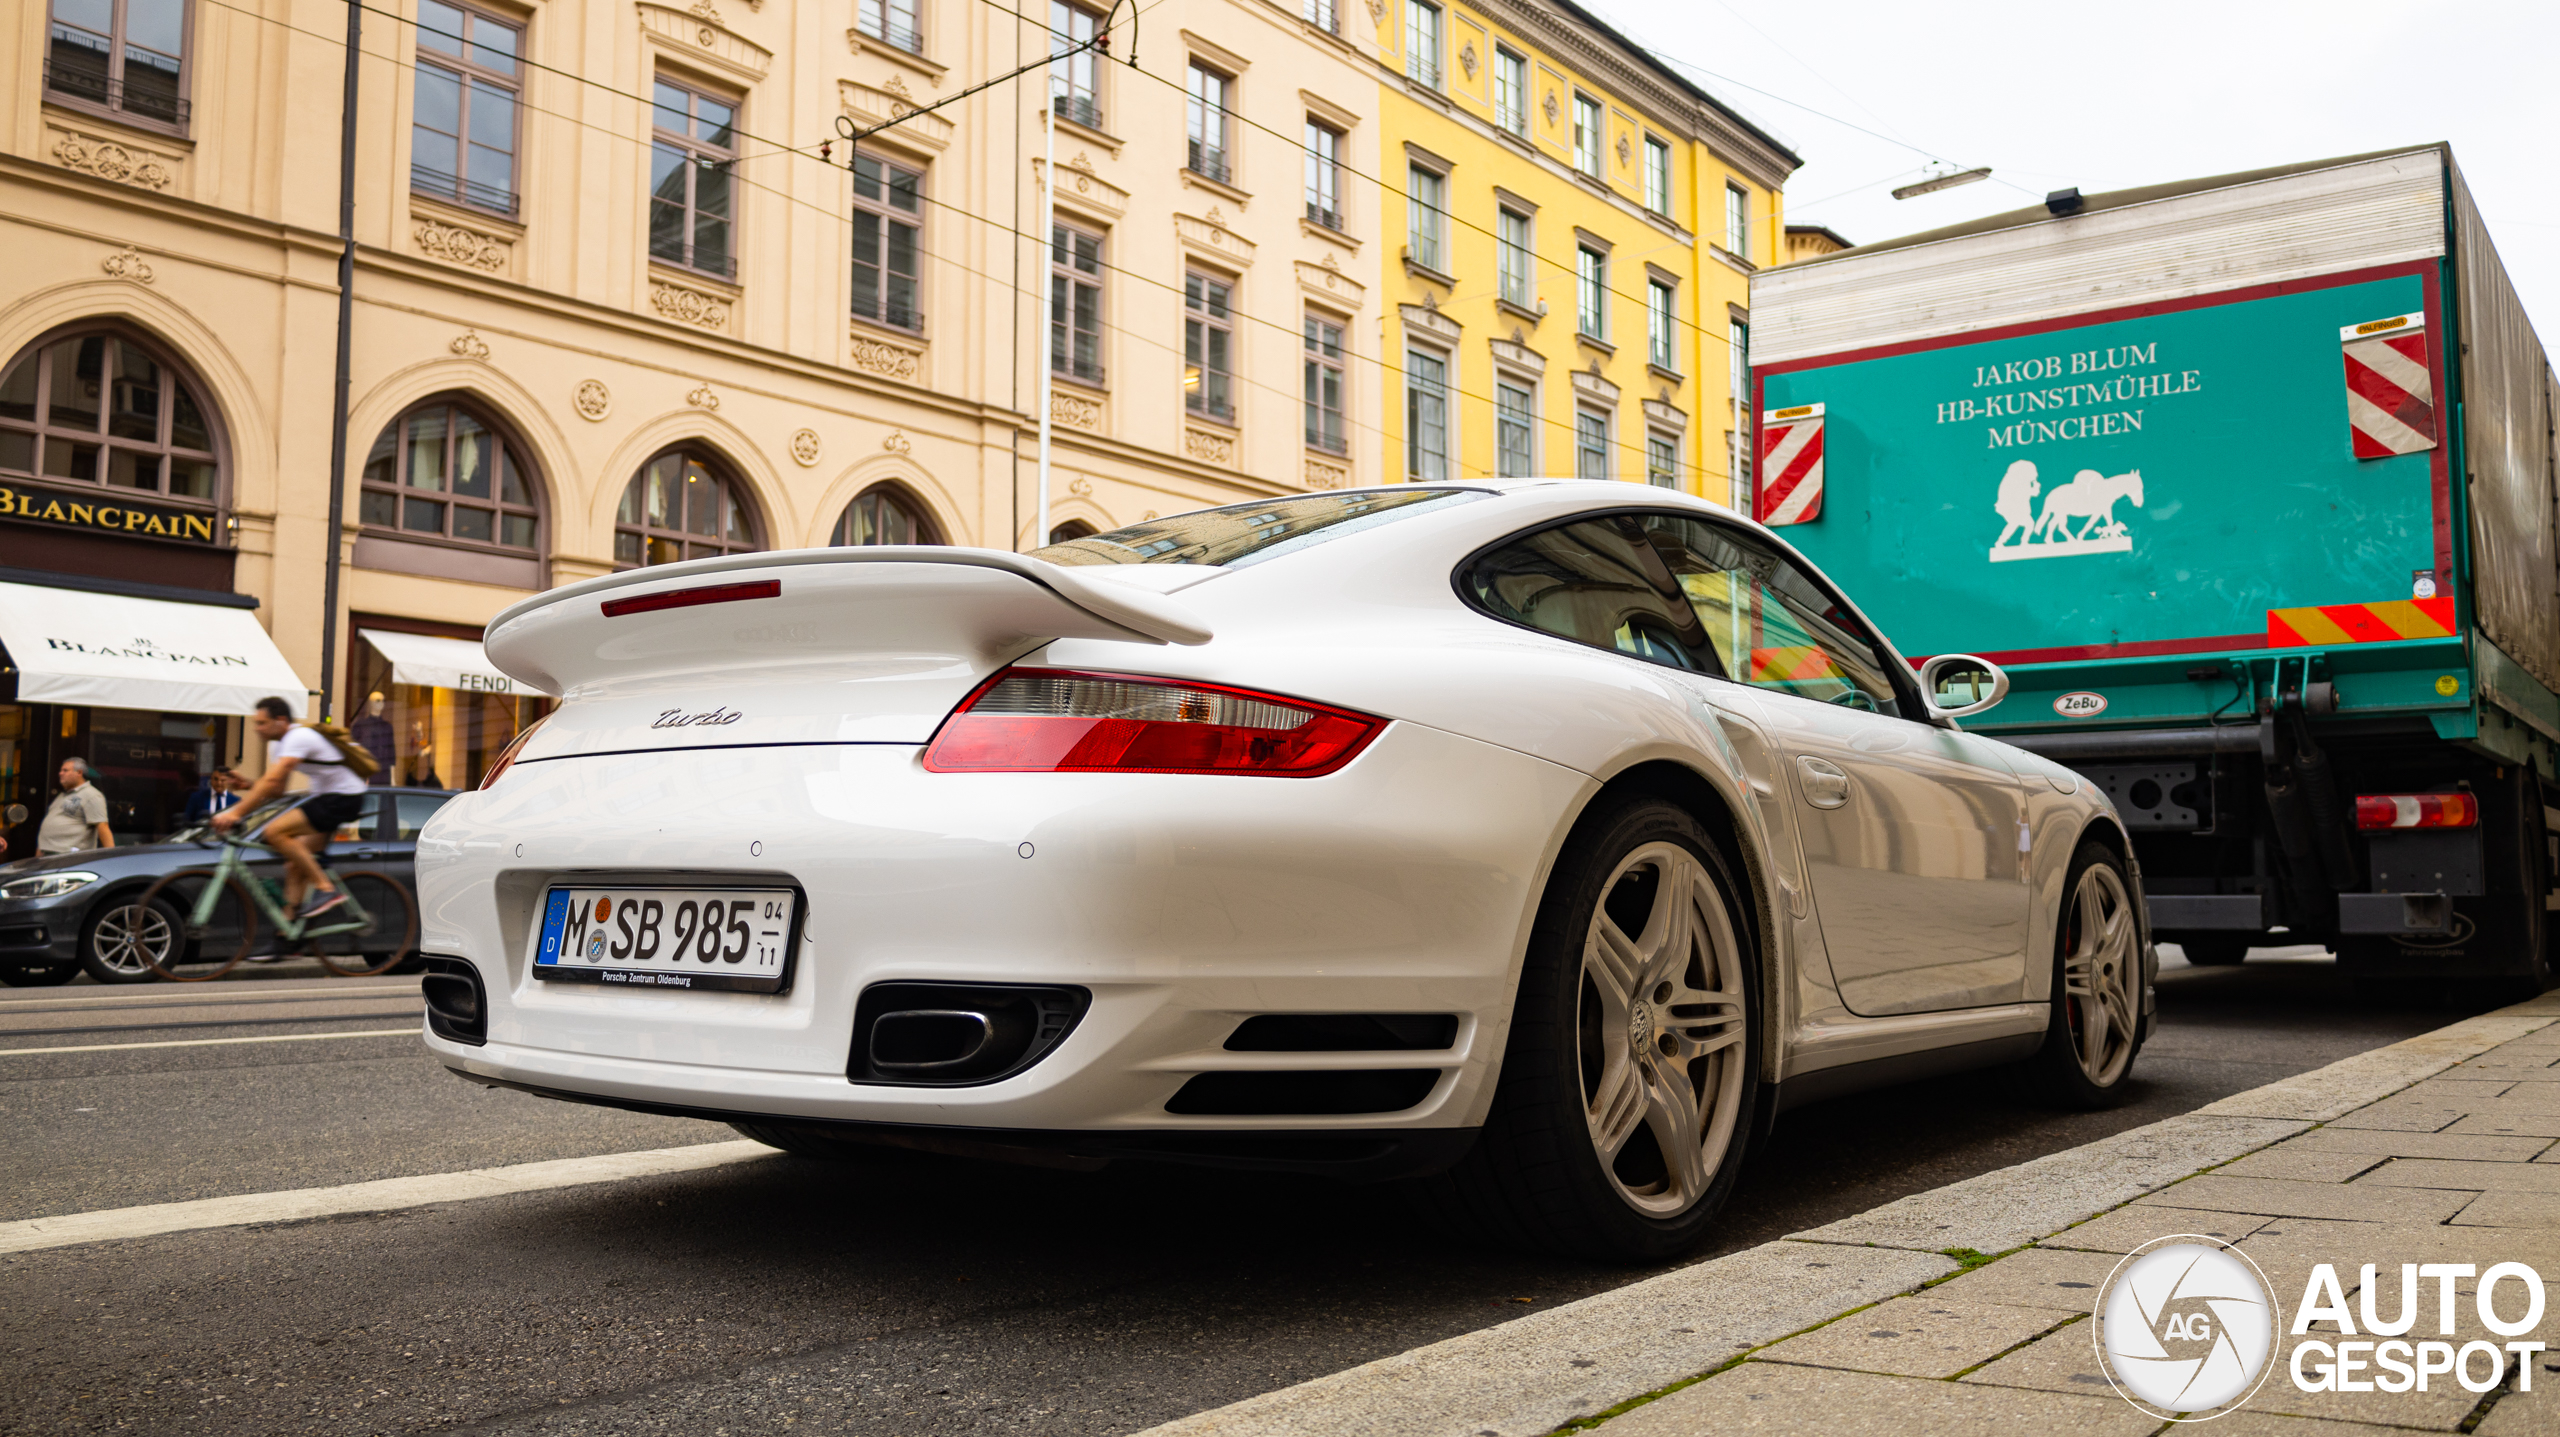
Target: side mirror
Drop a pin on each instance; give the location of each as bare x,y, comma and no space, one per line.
1956,685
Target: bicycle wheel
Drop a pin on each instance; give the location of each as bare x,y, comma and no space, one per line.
193,952
372,940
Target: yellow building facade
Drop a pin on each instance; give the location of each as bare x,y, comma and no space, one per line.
1569,284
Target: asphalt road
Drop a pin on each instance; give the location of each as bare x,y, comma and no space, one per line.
906,1295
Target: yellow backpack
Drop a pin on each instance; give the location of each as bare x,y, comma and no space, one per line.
358,759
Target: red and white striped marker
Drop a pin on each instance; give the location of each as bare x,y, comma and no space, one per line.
1791,465
2391,406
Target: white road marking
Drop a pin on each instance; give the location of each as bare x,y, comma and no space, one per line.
409,1032
385,1195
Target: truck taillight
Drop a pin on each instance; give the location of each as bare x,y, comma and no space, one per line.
1062,721
507,756
2417,810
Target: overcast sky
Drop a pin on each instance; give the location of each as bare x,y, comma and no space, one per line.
2053,94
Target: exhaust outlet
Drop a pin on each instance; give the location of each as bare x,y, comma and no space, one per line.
957,1034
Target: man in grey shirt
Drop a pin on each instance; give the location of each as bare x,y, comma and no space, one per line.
77,821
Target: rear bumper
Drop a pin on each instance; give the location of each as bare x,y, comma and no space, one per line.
1403,884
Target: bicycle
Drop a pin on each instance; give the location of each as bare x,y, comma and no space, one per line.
355,940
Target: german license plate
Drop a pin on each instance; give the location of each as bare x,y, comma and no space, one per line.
731,938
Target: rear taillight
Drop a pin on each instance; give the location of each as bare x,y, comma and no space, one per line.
2416,810
507,756
1059,721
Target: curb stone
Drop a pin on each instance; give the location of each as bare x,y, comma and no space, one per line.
1535,1374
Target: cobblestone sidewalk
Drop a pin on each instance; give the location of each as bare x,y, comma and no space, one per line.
1967,1309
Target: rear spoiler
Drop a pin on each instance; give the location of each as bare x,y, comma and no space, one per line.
924,606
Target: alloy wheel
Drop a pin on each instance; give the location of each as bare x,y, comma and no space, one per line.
1662,1021
2100,966
132,937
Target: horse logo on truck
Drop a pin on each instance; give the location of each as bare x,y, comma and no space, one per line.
2078,517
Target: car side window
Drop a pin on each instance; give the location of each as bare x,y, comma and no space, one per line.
1771,622
410,810
1600,582
360,827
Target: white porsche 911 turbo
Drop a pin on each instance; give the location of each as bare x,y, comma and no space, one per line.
1537,841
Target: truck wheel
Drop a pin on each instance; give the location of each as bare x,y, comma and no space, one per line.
2214,952
2089,1045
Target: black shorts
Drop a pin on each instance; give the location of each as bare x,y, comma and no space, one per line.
325,811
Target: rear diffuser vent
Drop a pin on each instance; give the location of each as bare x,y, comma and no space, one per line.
951,1035
1260,1095
1344,1033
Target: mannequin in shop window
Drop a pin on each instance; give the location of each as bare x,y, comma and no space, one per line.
373,731
422,757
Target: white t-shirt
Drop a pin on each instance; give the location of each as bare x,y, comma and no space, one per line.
320,761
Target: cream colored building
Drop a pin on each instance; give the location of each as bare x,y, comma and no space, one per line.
618,299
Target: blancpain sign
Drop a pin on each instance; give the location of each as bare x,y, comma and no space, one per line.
129,652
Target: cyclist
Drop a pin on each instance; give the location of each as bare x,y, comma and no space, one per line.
301,834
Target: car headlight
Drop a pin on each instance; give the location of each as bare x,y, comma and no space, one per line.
46,885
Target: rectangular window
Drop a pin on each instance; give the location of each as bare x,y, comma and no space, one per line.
1073,80
1427,218
1426,415
462,130
1324,175
1206,116
1740,347
891,22
1591,293
1512,257
1662,461
128,56
1590,444
1660,322
1738,352
1514,432
1324,15
1075,304
1325,429
693,152
1737,221
1422,43
1511,91
1657,176
1586,135
887,222
1208,347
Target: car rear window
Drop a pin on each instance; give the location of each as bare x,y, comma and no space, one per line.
1242,534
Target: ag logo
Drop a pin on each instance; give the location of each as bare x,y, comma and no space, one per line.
2185,1328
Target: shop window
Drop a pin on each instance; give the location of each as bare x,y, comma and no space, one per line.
427,736
681,506
105,408
127,57
884,514
444,471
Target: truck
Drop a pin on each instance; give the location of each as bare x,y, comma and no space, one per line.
2245,485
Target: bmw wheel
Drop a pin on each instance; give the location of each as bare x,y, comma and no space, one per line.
1623,1108
2095,1029
127,937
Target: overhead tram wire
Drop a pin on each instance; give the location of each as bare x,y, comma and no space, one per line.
1041,243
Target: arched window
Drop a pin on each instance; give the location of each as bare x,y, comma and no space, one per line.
884,514
444,471
680,506
103,407
1071,529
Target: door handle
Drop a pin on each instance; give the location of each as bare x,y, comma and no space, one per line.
368,854
1825,786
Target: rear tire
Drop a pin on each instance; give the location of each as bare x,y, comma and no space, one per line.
2214,952
1623,1108
2095,1031
40,975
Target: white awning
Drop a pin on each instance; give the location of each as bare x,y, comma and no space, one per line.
118,651
439,663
